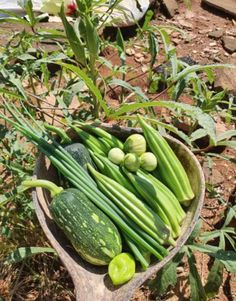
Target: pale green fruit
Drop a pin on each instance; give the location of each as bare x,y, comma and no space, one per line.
116,155
131,162
148,161
135,144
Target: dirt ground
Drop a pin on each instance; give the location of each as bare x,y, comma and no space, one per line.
198,23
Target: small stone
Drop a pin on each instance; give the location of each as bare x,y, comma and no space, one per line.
226,54
206,49
180,270
144,69
194,51
216,59
204,31
215,51
189,14
213,44
176,41
216,34
234,55
229,44
130,51
185,24
138,55
175,34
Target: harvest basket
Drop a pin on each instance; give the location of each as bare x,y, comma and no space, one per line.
91,282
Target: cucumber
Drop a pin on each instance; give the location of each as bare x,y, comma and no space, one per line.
90,231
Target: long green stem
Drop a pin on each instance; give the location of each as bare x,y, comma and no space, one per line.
53,188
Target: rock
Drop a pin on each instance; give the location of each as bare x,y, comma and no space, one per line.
226,77
213,177
228,6
216,34
229,44
171,7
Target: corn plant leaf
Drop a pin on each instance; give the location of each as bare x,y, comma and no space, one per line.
27,5
92,40
25,252
195,68
226,135
214,280
228,143
153,47
197,289
148,16
121,46
178,89
13,18
169,127
127,86
89,83
204,120
74,41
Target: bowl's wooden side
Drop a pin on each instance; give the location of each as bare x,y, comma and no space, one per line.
91,282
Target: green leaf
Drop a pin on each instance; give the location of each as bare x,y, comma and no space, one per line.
178,89
231,214
203,248
195,68
89,83
228,258
121,46
206,236
195,233
127,86
214,280
203,119
14,18
25,252
197,289
28,7
74,40
148,16
231,144
167,276
92,40
153,48
226,135
199,133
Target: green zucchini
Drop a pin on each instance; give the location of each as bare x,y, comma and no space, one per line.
80,153
90,231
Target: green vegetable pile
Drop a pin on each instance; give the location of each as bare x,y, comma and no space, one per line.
116,203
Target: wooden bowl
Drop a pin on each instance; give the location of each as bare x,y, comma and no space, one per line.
92,283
